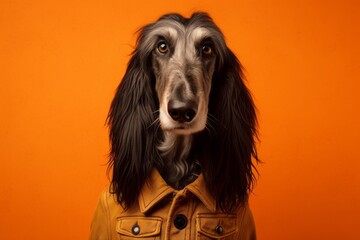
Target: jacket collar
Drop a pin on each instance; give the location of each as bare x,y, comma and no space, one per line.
155,189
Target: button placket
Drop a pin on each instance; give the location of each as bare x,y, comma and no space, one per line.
180,219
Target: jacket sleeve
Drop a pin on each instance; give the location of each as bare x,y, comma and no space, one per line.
247,226
100,225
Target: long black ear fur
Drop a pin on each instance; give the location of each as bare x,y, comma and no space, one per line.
227,158
132,130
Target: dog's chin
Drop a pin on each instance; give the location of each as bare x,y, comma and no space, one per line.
182,129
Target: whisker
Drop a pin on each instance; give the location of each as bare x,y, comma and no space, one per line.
210,128
156,121
216,122
213,118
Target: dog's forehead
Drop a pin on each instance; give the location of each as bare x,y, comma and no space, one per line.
178,32
196,34
168,29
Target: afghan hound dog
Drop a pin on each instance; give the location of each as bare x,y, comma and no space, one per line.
183,107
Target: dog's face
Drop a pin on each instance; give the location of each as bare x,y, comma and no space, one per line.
183,61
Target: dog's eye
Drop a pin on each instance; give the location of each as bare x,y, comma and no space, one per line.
162,47
206,50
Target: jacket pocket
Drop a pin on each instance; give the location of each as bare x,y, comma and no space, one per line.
216,226
138,227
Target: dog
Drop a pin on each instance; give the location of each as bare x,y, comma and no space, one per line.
183,108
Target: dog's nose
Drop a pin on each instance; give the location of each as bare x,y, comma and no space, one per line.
182,111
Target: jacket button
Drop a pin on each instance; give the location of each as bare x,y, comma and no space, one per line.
180,221
219,230
135,229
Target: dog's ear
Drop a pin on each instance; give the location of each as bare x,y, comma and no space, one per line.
132,130
232,113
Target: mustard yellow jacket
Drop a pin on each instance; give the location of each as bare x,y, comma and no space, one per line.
164,213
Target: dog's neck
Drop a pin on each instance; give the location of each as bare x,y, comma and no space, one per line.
178,170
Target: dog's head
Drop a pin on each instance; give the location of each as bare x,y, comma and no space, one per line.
183,54
182,78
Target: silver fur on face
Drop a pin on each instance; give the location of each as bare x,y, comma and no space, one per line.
184,56
183,74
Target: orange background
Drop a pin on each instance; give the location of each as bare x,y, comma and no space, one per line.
62,60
